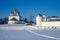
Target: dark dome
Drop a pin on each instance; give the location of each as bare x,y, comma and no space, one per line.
40,15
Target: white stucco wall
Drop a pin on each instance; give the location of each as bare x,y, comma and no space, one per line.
11,22
17,17
54,23
38,20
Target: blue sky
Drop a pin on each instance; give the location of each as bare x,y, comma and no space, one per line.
30,7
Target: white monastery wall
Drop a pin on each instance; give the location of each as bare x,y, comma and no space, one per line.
54,23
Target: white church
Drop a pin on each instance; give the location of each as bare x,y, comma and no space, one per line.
14,17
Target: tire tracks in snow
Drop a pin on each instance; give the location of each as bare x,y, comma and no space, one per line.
41,35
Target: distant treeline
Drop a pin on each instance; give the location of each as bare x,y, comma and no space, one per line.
4,20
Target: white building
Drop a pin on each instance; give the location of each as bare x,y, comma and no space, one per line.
39,20
14,17
44,21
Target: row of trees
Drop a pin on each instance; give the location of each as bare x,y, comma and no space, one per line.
4,20
29,21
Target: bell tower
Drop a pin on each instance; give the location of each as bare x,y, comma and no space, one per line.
39,20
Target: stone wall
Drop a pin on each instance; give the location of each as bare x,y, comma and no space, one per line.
54,23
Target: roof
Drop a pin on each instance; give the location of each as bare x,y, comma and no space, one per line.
40,15
15,12
14,19
53,17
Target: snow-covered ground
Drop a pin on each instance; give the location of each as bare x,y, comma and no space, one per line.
23,27
23,32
